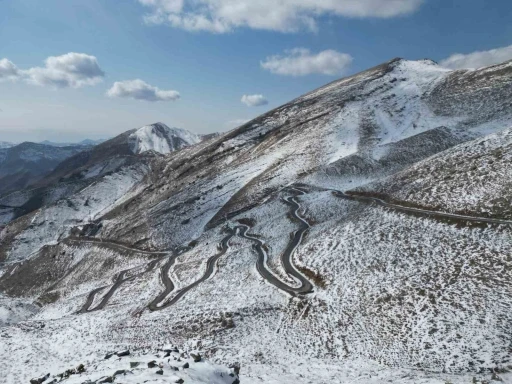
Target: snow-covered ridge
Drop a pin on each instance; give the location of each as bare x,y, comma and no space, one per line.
160,138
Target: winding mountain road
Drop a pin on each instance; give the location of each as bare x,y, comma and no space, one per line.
420,211
305,286
287,256
157,305
120,280
163,301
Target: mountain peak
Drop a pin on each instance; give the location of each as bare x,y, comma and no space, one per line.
160,138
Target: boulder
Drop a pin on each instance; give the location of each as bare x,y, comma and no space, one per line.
119,372
123,353
235,367
40,380
134,364
196,357
152,364
160,372
108,379
186,365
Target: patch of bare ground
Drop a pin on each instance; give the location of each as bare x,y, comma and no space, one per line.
313,276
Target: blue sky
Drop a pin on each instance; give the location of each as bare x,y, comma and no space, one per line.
213,63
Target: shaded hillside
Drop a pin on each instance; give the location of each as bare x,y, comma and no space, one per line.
25,164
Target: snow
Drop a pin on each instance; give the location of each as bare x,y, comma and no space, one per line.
198,372
54,221
160,138
13,311
472,178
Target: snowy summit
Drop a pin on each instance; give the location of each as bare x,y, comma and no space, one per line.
160,138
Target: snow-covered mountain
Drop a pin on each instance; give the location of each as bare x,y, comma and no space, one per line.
358,234
24,164
68,172
160,138
86,142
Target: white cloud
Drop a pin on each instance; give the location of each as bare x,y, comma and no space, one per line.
254,100
8,71
478,59
221,16
70,70
140,90
301,62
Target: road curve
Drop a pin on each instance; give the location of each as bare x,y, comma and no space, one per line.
166,280
304,288
420,211
157,305
120,280
287,256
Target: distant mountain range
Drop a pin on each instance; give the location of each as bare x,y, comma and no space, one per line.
86,142
5,144
22,165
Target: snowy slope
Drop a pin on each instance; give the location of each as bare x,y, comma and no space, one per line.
50,223
13,311
473,178
160,138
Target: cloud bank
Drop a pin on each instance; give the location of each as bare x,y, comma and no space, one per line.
221,16
254,100
8,71
72,70
301,62
140,90
478,59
